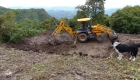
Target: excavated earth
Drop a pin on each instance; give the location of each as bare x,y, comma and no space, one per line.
64,44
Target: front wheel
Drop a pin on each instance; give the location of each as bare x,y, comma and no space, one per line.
82,37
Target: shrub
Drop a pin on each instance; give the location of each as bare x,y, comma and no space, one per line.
126,20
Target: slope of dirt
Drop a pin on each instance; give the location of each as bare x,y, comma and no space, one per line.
39,43
31,60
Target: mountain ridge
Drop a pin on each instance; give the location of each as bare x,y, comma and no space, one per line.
31,14
61,11
70,12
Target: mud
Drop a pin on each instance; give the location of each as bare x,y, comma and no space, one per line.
64,45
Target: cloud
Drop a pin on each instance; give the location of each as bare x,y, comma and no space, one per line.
40,3
71,3
120,3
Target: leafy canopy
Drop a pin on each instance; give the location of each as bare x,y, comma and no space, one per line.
126,20
93,9
12,31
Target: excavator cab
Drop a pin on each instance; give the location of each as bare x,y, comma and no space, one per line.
82,28
83,22
85,30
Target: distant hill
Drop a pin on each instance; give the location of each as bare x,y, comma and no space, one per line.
58,14
32,14
110,11
61,12
48,12
3,9
69,12
65,8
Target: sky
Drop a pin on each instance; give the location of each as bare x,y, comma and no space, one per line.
109,4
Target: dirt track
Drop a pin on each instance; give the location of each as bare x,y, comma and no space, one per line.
39,43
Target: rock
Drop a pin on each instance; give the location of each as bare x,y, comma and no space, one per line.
8,73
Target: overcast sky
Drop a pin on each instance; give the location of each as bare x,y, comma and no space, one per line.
72,3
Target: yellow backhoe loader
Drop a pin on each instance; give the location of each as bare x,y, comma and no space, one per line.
84,33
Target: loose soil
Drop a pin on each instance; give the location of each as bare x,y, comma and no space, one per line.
64,44
31,59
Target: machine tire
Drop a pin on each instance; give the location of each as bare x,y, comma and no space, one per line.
82,37
100,38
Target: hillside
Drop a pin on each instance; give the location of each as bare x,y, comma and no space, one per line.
61,11
58,14
3,9
32,14
69,12
45,13
34,59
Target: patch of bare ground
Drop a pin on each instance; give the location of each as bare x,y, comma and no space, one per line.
33,58
64,44
29,65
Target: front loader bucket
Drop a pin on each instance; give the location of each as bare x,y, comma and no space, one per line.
113,35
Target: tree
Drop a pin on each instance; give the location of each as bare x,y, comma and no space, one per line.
12,31
93,9
126,20
8,27
66,20
73,24
50,24
106,20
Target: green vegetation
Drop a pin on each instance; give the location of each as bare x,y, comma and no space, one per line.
126,20
12,31
3,10
17,24
8,27
93,9
50,24
32,14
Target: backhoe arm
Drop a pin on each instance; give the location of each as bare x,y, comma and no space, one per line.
57,31
66,28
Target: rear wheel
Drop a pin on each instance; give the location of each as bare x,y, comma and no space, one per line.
82,37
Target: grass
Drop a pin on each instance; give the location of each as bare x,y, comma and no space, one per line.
41,66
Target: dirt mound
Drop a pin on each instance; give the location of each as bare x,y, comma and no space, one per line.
39,43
